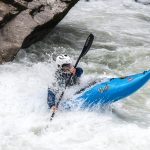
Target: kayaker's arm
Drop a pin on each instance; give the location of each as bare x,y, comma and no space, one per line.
79,72
50,98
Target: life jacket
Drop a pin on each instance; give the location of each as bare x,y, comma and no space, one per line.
63,77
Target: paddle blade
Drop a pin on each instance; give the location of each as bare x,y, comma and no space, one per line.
87,45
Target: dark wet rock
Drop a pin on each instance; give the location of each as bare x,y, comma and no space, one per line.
23,22
144,2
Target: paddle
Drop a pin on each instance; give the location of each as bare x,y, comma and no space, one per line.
85,49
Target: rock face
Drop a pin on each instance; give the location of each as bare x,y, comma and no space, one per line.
23,22
145,2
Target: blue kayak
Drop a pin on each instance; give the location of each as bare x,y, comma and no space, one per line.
112,90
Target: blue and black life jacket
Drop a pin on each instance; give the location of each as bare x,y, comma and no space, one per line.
63,77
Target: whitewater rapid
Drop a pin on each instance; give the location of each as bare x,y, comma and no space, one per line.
121,47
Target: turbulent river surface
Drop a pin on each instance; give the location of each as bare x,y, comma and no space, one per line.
121,47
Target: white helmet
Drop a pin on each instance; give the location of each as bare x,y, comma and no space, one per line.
63,59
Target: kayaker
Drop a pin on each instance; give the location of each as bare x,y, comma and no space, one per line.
62,74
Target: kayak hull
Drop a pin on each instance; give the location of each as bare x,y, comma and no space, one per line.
112,90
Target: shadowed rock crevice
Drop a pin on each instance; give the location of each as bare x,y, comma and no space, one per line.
23,22
37,10
7,12
20,5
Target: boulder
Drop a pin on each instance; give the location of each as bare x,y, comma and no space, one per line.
23,22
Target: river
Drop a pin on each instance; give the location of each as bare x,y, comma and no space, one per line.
121,47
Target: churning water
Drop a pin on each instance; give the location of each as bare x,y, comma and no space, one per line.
121,47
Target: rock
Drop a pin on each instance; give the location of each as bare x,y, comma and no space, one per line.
144,2
4,9
23,22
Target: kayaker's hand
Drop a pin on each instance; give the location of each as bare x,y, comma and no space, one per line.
73,70
54,108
